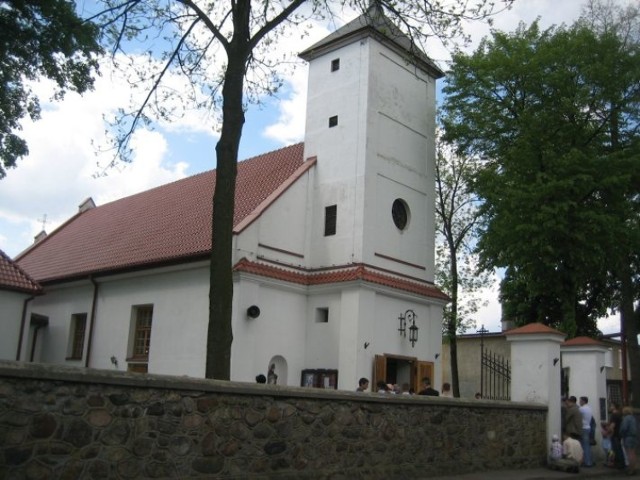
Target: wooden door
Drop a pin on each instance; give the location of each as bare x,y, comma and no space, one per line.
423,369
379,371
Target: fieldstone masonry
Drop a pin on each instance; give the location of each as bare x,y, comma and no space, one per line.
68,423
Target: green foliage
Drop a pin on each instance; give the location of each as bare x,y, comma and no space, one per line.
555,116
39,39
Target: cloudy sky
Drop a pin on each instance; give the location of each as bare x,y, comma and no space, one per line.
67,162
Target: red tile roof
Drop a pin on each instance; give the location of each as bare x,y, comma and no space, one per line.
533,328
582,342
345,273
166,224
13,278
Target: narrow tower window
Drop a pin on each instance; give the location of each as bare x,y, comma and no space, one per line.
335,65
333,121
330,217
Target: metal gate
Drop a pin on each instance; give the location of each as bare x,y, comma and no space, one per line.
495,376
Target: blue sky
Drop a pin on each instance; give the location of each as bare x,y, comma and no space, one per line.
59,173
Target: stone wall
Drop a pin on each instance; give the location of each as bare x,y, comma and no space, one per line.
68,423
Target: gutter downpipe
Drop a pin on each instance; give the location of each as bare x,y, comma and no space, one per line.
93,316
22,324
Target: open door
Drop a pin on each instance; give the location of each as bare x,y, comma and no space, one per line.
379,371
400,369
424,369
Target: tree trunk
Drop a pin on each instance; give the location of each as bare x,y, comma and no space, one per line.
452,327
453,351
629,326
220,334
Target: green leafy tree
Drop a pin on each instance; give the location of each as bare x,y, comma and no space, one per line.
190,36
457,214
555,116
620,26
39,39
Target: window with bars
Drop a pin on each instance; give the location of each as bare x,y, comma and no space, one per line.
142,334
330,219
76,336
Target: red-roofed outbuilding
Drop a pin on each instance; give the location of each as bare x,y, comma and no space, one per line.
16,289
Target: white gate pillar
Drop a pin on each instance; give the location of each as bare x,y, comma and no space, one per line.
584,358
535,369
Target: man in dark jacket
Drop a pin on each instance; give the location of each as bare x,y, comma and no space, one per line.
573,418
427,389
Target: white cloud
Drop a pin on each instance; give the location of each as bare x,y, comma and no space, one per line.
59,171
291,121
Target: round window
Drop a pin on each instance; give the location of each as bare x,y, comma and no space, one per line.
400,213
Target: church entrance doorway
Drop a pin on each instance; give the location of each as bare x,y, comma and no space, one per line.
398,369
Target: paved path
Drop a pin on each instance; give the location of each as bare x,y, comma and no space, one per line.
598,472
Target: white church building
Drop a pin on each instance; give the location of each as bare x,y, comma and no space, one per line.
333,245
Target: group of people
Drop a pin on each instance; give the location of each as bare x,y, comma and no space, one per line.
405,389
619,437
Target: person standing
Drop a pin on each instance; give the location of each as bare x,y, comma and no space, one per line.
615,419
363,385
573,419
629,438
605,431
427,389
446,390
585,438
382,387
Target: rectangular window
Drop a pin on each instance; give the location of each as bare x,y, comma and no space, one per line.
330,219
335,65
333,121
142,333
76,336
322,315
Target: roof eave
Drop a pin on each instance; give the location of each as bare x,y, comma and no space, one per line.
152,264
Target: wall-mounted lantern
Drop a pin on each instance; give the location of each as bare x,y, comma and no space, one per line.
408,317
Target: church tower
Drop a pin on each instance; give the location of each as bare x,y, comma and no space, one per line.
371,125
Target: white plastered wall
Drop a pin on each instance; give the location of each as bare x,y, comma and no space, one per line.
11,307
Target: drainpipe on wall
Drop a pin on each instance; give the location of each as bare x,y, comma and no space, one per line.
93,317
22,323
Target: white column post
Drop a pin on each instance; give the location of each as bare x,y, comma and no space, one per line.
535,369
584,358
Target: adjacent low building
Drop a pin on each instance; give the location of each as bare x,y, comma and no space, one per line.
17,288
